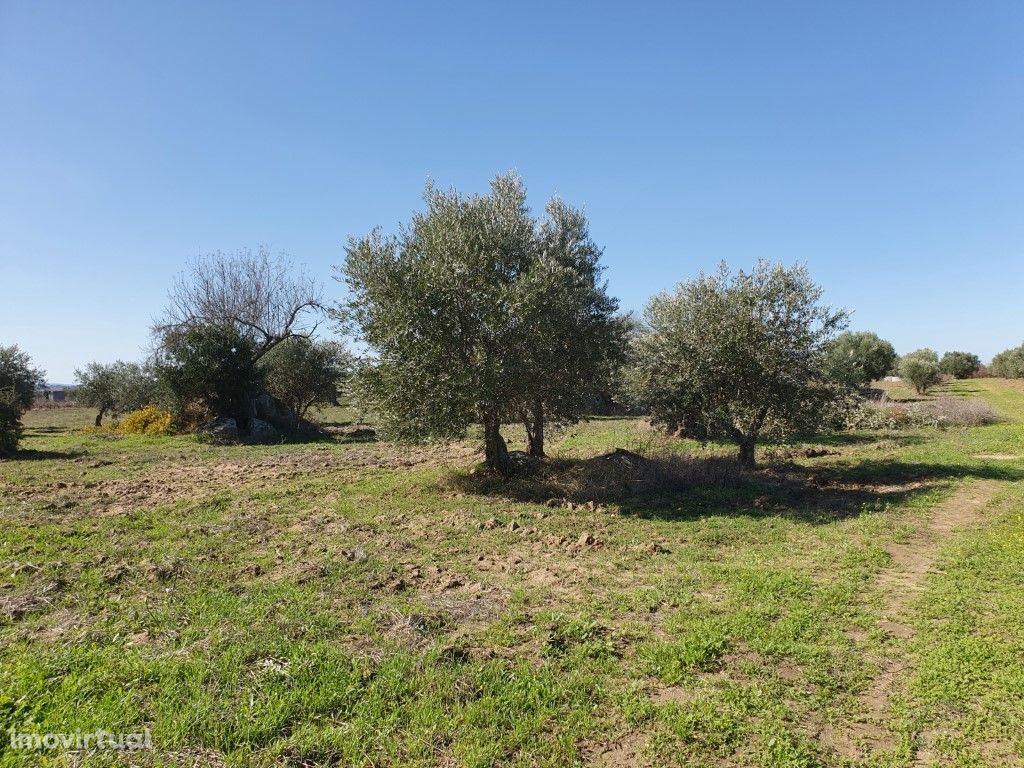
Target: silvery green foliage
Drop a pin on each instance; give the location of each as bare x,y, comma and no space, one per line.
738,356
921,368
960,365
115,388
573,340
857,359
19,380
1009,364
299,373
474,312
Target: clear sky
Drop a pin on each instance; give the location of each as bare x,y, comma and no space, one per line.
881,142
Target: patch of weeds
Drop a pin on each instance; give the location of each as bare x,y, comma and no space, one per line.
698,649
578,637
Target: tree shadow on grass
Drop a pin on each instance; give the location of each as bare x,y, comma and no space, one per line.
29,454
49,429
672,487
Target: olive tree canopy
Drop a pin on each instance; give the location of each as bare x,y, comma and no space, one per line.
476,313
857,359
921,368
116,387
737,356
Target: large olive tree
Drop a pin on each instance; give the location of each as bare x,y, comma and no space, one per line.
476,313
960,365
737,356
1009,364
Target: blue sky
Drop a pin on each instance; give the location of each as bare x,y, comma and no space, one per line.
882,143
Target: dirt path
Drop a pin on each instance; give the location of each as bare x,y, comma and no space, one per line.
899,585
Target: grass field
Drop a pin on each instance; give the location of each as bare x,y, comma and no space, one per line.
857,602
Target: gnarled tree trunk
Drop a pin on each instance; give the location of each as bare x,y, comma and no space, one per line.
747,458
495,450
99,417
535,430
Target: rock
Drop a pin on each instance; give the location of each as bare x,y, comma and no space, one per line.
491,524
222,427
586,539
356,555
266,408
513,526
263,430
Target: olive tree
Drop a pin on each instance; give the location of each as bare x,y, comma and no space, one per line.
300,373
960,365
19,380
209,370
115,388
437,306
921,369
1009,364
857,359
475,312
738,356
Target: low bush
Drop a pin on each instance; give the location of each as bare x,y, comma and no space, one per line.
150,420
957,412
941,412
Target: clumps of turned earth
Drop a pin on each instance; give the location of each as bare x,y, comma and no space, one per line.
184,478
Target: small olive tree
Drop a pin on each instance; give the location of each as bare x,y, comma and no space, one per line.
960,365
299,373
921,369
738,356
19,380
116,387
857,359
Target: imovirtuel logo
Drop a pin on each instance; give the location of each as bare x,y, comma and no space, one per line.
98,739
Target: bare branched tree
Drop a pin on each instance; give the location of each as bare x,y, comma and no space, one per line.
263,298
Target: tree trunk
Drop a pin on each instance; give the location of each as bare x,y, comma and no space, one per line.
535,430
495,450
747,459
99,416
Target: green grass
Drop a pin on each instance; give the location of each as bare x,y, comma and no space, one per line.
348,603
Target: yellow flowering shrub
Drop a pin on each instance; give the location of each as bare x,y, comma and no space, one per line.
150,420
